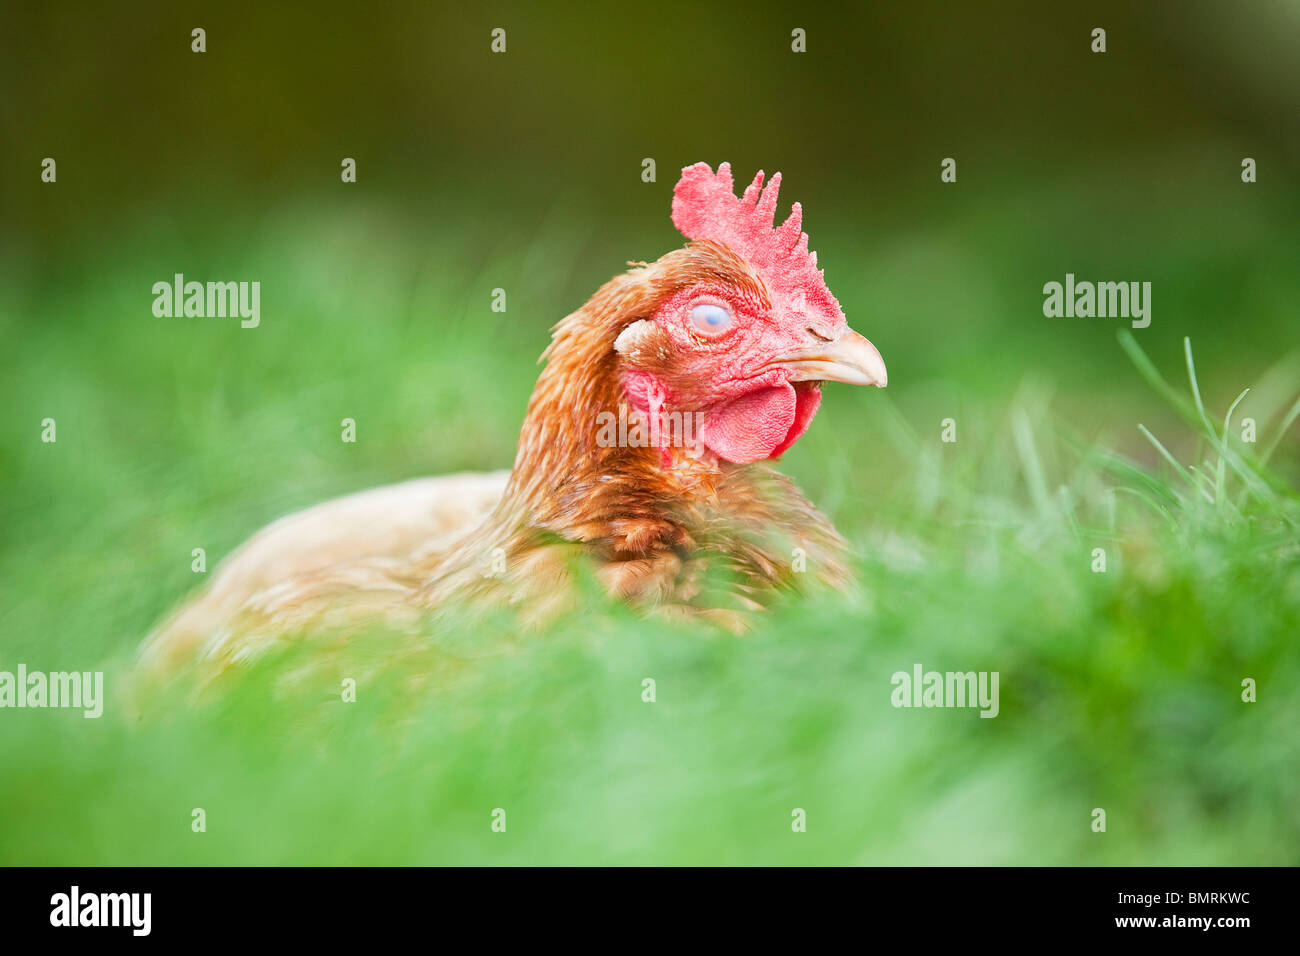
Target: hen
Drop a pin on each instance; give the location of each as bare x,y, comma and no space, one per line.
642,453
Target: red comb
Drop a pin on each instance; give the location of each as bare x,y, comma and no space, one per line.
705,207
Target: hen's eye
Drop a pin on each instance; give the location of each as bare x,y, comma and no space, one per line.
710,319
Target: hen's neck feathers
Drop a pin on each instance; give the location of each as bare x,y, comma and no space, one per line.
569,483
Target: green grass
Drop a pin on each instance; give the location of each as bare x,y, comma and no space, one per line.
1119,690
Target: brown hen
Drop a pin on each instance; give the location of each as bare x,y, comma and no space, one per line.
643,455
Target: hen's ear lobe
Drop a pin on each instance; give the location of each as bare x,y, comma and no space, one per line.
635,337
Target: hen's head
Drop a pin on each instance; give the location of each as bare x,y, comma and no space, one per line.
744,330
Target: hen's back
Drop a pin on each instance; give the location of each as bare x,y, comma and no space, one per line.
398,523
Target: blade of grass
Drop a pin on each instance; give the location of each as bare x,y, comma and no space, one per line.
1153,377
1164,452
1196,387
1264,485
1287,421
1221,473
1148,500
1121,467
1023,434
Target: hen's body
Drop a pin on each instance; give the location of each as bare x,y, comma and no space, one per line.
736,328
355,537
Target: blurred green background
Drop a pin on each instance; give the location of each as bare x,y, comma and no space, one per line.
522,171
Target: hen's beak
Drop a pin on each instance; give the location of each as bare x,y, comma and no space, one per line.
850,359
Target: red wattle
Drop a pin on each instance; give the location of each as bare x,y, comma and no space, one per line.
753,426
